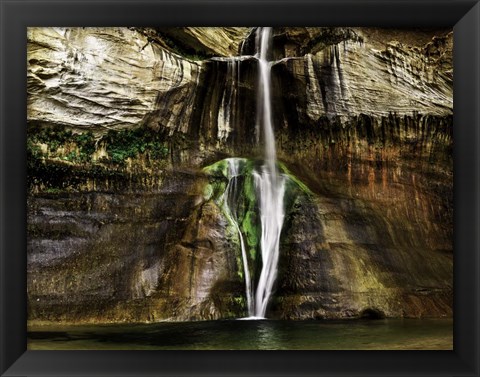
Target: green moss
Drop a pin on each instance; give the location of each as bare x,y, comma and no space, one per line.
56,137
246,210
239,300
247,206
53,137
218,169
53,190
250,227
249,188
86,145
52,171
62,145
72,156
120,145
124,144
293,182
250,224
208,192
239,267
217,188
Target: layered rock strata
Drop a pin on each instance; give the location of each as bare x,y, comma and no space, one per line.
121,123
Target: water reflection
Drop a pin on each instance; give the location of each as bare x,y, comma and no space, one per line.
269,337
250,335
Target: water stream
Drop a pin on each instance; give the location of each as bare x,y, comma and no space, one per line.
269,183
231,198
270,189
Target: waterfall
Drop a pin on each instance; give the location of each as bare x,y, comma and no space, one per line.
230,199
270,185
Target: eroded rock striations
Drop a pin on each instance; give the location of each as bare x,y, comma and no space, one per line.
125,221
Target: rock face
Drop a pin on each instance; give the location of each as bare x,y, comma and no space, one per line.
340,81
113,78
103,79
131,256
200,41
345,256
122,121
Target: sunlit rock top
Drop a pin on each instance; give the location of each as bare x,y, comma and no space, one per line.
114,78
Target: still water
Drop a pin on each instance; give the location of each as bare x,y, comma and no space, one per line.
386,334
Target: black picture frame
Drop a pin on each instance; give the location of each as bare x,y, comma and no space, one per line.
16,16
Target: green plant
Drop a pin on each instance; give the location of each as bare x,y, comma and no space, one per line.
125,144
86,145
53,137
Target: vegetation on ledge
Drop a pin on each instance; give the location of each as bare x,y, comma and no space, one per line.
58,158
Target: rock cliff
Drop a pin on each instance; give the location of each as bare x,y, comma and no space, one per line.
124,222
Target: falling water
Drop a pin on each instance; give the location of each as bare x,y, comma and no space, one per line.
231,198
270,185
228,111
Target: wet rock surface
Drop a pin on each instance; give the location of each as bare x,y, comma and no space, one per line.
347,257
120,228
130,256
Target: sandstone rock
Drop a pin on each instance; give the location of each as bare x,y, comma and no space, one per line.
363,117
223,41
112,78
104,78
352,78
347,258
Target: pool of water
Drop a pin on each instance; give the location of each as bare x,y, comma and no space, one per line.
385,334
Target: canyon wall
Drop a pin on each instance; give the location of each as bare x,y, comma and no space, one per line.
124,219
